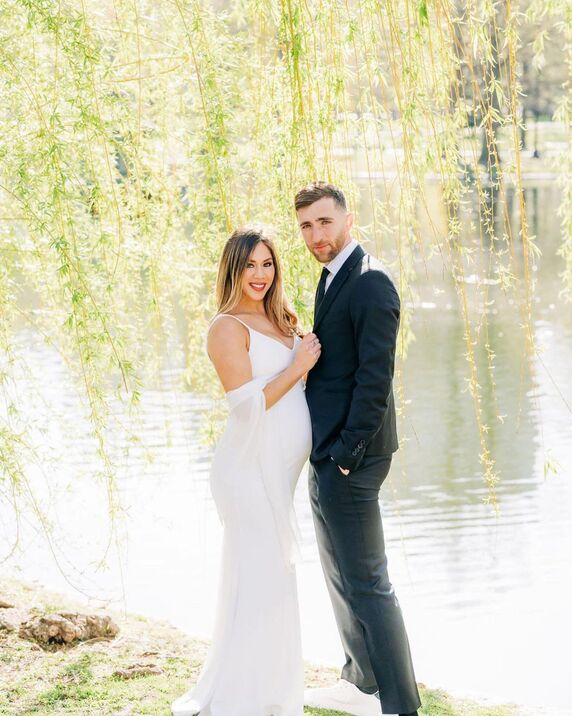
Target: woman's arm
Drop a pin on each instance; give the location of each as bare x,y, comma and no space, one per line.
228,350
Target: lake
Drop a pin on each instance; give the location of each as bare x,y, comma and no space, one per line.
486,595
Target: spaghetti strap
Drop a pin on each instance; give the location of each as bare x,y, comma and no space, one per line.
230,316
237,319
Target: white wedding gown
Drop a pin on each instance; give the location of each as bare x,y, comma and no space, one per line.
254,664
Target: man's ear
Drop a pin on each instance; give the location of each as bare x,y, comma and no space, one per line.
349,220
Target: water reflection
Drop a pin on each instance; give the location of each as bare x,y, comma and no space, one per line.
486,596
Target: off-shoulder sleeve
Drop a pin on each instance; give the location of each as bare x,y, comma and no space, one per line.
252,441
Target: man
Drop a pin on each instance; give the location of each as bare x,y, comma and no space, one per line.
350,398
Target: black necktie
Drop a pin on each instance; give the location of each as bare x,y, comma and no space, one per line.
321,290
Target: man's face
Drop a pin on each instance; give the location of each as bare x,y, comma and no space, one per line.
325,228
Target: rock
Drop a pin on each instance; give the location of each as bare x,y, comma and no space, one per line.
13,617
67,628
137,670
6,626
4,604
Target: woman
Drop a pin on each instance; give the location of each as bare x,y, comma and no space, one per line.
254,666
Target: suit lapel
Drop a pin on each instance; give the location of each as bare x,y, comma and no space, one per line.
337,282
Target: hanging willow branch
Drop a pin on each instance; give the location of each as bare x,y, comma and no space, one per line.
137,135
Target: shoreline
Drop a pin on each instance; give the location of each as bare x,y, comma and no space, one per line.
80,679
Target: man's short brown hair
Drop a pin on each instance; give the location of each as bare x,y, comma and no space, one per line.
318,190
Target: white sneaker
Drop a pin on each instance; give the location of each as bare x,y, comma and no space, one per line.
343,697
183,706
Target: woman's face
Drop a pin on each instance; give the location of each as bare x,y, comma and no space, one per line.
259,273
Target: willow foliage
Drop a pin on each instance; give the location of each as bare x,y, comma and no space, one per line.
136,134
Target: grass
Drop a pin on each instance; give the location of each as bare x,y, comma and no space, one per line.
79,681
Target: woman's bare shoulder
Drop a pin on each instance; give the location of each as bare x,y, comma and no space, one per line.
226,332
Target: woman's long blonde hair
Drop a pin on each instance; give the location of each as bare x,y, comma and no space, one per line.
235,256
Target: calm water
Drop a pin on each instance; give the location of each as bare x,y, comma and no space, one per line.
487,597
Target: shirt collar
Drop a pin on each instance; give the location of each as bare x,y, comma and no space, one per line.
336,264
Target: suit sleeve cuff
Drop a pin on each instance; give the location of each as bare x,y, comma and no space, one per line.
339,454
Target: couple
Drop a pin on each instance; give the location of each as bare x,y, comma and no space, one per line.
327,396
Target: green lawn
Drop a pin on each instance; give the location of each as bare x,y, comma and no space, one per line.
80,680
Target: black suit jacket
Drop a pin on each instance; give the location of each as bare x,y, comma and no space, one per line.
350,389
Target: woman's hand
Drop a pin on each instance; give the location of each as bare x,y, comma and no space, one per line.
307,353
228,350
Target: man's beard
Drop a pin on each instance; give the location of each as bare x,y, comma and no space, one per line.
334,250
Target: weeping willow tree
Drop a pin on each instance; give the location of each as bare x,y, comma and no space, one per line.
136,135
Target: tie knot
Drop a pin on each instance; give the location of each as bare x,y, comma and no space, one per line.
325,273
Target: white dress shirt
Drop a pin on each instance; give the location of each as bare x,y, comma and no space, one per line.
336,264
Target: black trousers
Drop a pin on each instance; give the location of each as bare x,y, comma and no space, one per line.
348,526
